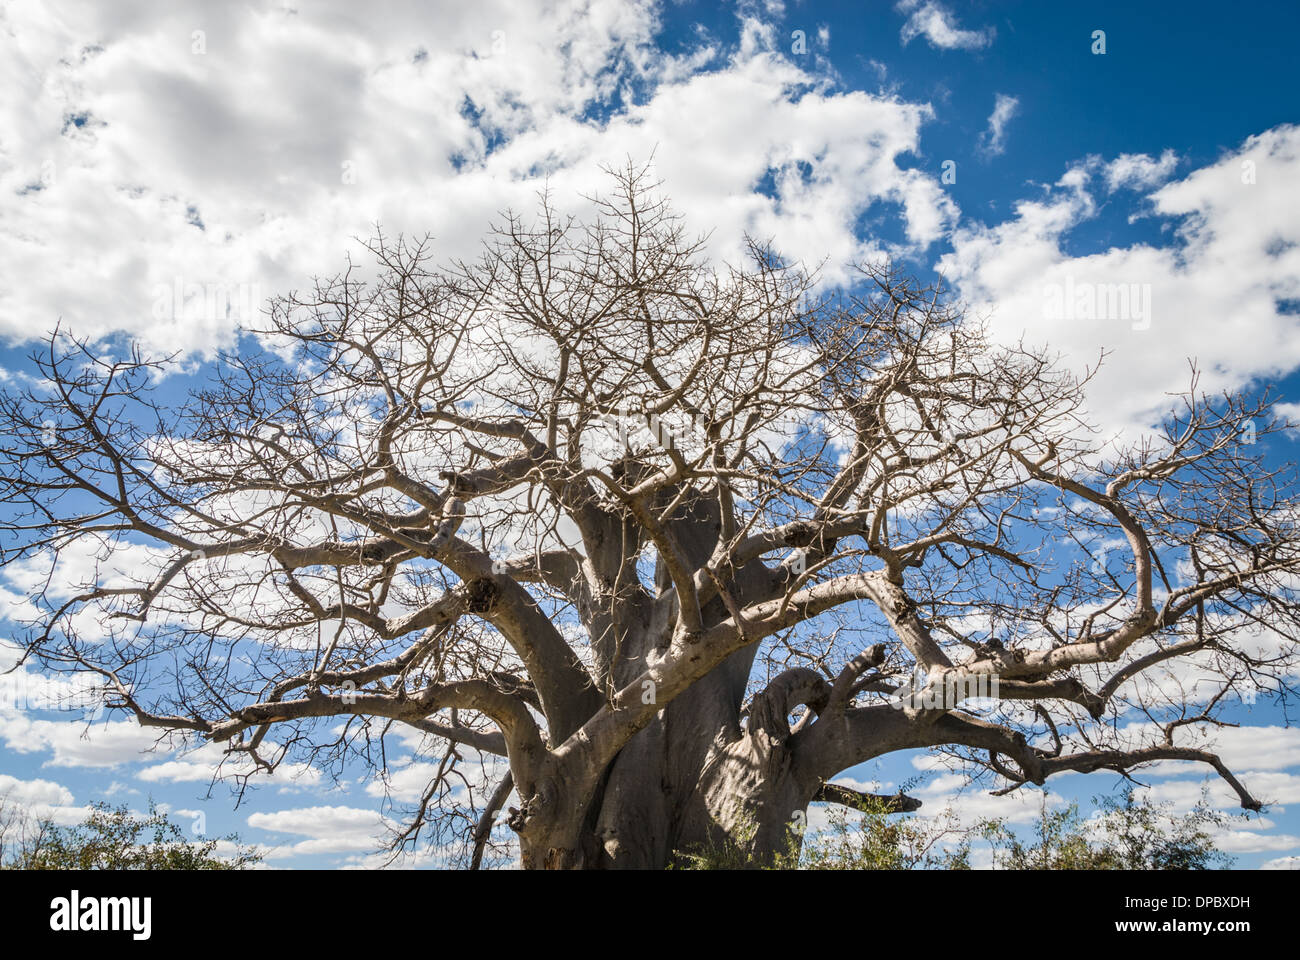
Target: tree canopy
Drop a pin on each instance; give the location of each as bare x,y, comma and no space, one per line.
655,545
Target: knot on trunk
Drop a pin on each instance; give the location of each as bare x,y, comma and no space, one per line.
799,534
376,552
481,594
517,818
770,708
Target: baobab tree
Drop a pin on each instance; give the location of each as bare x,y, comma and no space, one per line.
680,542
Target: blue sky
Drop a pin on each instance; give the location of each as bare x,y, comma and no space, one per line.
154,147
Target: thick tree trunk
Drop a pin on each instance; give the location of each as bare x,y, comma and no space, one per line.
693,782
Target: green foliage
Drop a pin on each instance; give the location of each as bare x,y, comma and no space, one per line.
115,839
1125,834
872,838
736,852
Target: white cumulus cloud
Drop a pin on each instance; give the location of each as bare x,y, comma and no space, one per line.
935,22
993,140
